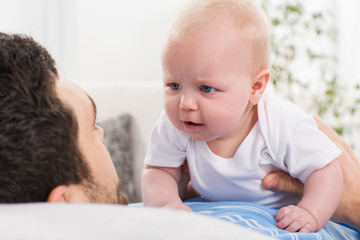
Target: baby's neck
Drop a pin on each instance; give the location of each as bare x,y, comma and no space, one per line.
227,146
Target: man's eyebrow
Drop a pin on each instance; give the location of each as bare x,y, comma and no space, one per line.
94,109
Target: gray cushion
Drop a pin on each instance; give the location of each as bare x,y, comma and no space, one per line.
117,139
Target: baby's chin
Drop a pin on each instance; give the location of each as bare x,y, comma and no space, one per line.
200,137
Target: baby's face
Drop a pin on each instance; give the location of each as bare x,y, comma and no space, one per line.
207,82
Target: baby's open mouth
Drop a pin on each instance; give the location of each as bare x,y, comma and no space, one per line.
193,124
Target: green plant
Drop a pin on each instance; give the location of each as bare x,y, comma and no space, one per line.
304,64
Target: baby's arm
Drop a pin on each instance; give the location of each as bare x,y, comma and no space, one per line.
160,187
322,192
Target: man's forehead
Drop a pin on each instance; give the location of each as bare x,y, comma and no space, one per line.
73,96
68,87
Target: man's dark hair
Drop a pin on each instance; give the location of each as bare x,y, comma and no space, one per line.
38,133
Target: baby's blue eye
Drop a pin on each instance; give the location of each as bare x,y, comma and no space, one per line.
207,89
174,86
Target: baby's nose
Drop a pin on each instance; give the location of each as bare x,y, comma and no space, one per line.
188,103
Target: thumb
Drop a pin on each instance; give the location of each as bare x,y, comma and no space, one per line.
283,182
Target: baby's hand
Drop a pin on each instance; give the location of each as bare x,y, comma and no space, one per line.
178,206
295,219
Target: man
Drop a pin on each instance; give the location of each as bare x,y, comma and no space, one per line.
51,149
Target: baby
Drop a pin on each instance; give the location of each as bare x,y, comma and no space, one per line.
217,117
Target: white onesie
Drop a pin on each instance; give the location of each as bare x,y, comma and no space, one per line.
284,138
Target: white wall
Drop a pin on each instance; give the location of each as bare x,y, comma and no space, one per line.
121,40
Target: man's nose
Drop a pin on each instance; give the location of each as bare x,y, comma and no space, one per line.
188,103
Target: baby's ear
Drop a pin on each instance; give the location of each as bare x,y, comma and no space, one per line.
258,86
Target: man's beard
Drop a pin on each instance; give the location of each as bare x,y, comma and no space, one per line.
102,194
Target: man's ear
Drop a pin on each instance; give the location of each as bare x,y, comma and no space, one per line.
258,86
58,195
72,193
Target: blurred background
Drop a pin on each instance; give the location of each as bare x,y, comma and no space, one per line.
93,40
316,45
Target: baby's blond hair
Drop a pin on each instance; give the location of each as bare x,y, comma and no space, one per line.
249,19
